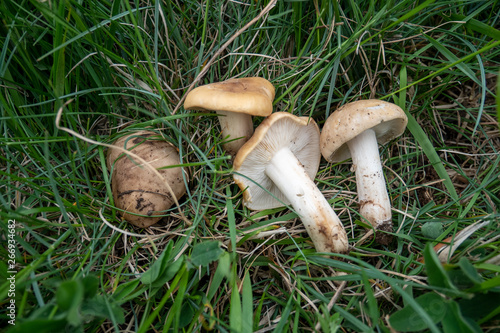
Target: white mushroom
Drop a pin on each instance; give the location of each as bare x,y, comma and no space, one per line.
353,131
277,166
235,101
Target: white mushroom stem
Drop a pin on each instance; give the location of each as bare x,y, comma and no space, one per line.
235,125
374,201
321,222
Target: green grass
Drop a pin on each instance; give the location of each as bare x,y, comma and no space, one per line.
211,263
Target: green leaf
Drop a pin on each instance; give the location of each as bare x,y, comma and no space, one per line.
409,320
454,322
206,252
90,285
156,269
481,305
169,273
436,275
223,270
469,270
186,315
432,230
460,279
99,306
127,291
69,295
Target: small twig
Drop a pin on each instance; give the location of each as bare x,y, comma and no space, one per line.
333,300
467,154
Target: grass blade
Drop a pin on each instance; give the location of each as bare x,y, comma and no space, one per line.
285,315
146,326
423,140
478,26
235,311
453,59
246,306
429,151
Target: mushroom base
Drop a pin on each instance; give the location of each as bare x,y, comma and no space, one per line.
382,237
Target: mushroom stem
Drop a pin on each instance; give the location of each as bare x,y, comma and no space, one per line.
318,217
235,125
374,201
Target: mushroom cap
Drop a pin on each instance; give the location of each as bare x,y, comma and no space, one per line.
279,130
136,189
386,119
251,95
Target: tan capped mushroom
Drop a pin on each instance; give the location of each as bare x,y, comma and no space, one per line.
137,190
276,167
354,130
235,101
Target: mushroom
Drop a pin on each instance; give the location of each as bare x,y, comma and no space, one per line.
276,167
353,131
137,191
235,101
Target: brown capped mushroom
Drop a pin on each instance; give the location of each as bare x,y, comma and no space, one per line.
353,131
276,167
235,101
140,193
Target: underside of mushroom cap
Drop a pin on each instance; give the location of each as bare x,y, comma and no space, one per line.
252,95
386,119
279,130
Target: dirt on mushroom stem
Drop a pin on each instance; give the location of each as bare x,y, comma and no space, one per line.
277,167
354,130
374,201
322,224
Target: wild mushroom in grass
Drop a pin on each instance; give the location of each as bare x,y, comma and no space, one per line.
137,190
354,131
276,167
235,101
